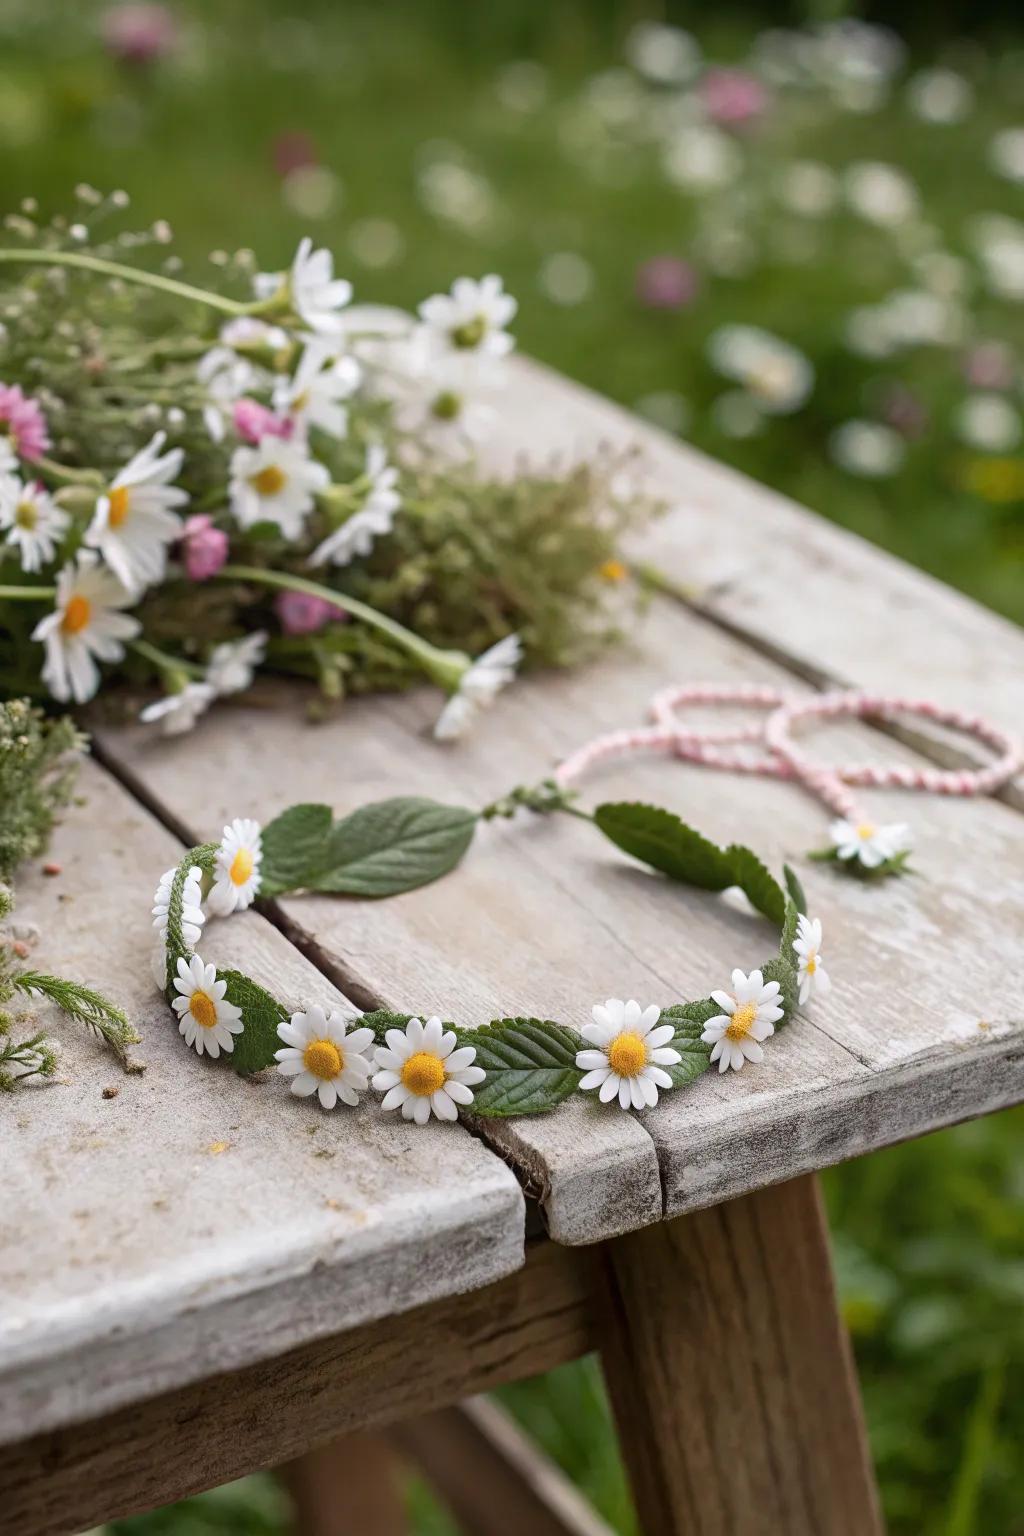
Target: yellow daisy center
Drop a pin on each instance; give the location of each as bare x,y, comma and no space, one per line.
241,867
76,614
471,333
203,1009
627,1054
423,1074
811,964
742,1021
270,481
613,570
323,1059
866,829
118,499
25,515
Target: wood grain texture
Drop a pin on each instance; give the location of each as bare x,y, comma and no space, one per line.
197,1221
834,607
730,1374
921,1028
492,1476
226,1426
349,1487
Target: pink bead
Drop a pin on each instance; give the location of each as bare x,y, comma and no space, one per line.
204,548
302,613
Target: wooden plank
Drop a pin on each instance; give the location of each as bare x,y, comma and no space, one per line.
917,1033
226,1426
193,1222
745,554
492,1476
730,1373
347,1487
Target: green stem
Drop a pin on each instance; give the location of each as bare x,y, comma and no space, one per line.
445,667
65,475
97,264
162,660
28,594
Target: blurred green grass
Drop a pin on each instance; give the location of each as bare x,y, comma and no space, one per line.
927,1236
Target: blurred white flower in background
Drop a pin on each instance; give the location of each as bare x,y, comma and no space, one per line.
988,422
776,376
880,193
808,188
867,448
1006,154
998,242
736,415
939,96
663,55
521,86
376,243
699,158
566,278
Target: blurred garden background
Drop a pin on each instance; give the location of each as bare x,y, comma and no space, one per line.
790,236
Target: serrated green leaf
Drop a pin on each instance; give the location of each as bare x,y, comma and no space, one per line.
530,1065
659,838
295,847
690,1019
261,1014
380,1020
789,930
395,845
795,889
779,969
761,889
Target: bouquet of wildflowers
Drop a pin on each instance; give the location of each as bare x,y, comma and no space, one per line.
195,485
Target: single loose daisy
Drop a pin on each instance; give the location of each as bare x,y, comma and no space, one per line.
324,1055
421,1070
233,663
473,316
33,519
275,482
807,944
315,396
205,1017
374,518
630,1054
192,915
870,844
482,681
85,626
179,711
134,522
22,423
750,1012
236,868
315,294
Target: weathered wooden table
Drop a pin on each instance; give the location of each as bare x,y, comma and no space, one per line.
199,1278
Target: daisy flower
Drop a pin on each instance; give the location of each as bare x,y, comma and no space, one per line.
275,482
777,376
324,1055
33,519
315,294
179,711
750,1013
236,868
226,378
233,663
205,1017
807,944
444,394
421,1070
629,1055
85,625
473,316
134,521
870,844
22,423
374,519
480,684
192,915
315,395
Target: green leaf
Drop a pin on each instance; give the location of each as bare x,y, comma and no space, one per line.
659,838
779,969
380,1020
530,1065
795,889
789,929
261,1014
761,889
295,847
690,1019
395,845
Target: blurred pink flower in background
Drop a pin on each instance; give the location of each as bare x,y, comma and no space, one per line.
138,34
293,152
204,548
300,613
22,420
254,421
732,97
990,365
904,412
666,282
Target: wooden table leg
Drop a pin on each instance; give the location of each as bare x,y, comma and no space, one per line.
349,1487
731,1375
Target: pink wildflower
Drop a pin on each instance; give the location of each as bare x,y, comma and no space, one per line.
204,548
733,97
300,613
22,419
254,421
666,282
138,34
